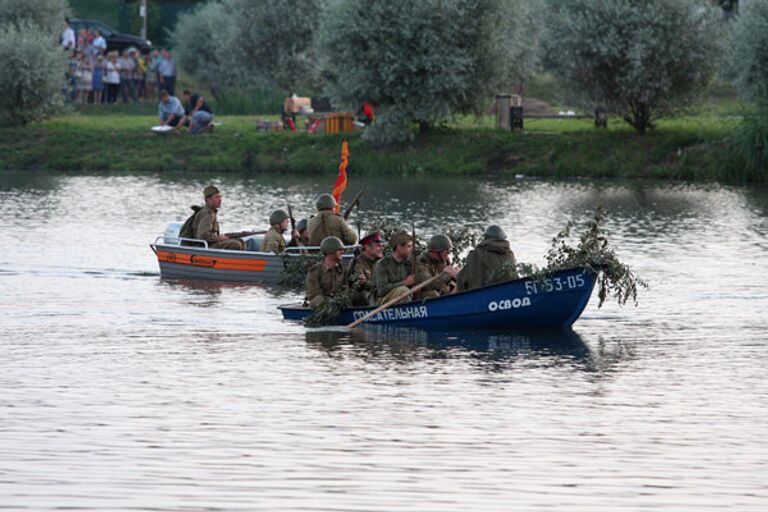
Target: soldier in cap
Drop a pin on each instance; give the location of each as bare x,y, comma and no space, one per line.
492,261
361,270
205,225
273,240
433,262
392,274
328,223
301,239
327,277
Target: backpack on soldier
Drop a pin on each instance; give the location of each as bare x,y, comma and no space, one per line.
187,231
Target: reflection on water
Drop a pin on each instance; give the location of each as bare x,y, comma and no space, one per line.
124,391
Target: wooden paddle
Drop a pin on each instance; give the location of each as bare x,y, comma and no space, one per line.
395,300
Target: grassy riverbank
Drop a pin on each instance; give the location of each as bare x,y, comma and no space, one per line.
683,148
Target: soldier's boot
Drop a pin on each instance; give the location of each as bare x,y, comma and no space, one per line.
395,292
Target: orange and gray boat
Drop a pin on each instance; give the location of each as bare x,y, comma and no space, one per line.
183,258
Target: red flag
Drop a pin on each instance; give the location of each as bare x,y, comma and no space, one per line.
341,179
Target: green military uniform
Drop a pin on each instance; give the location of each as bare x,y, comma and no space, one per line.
388,278
362,293
322,283
325,224
492,261
206,227
273,241
427,268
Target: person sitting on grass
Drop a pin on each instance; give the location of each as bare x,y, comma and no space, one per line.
197,113
170,110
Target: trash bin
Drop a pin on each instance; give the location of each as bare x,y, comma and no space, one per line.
516,117
339,122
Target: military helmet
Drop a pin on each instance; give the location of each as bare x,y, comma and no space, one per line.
439,243
331,244
495,232
277,217
302,225
325,202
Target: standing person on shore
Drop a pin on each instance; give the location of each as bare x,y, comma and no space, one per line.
99,43
205,224
326,278
492,261
167,70
392,275
112,77
84,79
68,41
152,63
361,270
328,223
98,80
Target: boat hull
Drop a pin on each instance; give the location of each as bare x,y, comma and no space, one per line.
556,301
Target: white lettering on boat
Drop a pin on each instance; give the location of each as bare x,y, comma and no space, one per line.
505,304
400,313
554,284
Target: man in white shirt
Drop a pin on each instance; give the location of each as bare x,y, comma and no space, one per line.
99,42
68,36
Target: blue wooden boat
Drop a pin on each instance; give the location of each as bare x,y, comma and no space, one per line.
555,301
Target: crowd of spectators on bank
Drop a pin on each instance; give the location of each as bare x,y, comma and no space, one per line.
95,75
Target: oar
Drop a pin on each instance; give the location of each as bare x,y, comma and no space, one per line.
393,301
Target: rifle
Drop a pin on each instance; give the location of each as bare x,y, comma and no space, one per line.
351,270
354,203
290,216
240,234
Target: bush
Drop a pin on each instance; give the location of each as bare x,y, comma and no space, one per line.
749,50
248,101
32,75
420,62
641,60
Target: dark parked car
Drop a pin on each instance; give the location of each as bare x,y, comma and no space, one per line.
115,40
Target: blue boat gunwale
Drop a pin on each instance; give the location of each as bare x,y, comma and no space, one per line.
593,269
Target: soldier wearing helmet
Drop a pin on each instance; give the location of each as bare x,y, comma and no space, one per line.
301,238
205,225
392,275
361,270
327,277
434,261
492,261
328,223
273,241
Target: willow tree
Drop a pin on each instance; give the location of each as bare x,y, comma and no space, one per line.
33,64
419,62
749,50
641,59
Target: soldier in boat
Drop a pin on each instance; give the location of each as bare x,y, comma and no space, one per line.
434,261
328,223
392,275
327,277
361,270
492,261
301,239
204,225
273,240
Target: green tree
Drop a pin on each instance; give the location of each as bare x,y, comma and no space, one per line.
749,50
642,59
418,62
32,74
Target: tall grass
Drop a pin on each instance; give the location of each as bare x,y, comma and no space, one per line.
752,142
249,101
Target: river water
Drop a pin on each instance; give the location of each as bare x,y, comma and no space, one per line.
122,391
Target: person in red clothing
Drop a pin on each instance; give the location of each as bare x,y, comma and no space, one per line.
366,114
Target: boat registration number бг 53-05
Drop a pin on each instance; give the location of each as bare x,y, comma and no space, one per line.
545,285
